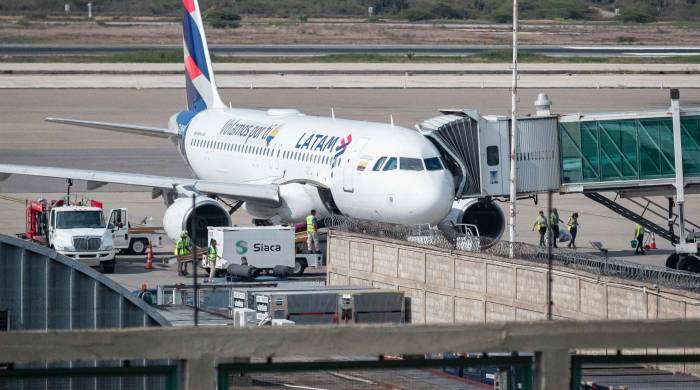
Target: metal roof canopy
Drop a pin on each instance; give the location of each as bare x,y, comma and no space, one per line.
43,290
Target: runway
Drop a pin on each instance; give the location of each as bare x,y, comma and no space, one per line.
352,75
305,50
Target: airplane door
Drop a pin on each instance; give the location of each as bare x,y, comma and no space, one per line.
350,169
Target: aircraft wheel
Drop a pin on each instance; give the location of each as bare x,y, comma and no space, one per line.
672,261
690,264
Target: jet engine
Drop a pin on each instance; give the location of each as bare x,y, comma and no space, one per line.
486,215
178,217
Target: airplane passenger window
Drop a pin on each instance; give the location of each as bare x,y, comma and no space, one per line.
492,155
433,164
410,164
391,164
378,164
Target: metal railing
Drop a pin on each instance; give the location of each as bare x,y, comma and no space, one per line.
597,265
206,353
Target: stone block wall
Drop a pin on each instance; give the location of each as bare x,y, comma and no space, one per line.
445,286
452,287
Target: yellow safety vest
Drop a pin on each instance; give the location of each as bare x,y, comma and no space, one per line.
182,247
554,219
570,222
310,224
638,230
211,254
538,223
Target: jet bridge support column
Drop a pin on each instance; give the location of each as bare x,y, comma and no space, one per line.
678,153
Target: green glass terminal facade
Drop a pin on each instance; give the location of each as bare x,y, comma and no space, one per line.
626,149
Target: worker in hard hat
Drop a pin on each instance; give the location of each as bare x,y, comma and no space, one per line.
554,225
572,225
312,232
145,295
639,236
541,226
183,247
212,257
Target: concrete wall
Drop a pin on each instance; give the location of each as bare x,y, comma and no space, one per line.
458,287
447,287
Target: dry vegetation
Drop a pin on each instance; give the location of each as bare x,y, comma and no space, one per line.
349,32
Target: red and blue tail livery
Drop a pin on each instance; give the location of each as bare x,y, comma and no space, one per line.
199,75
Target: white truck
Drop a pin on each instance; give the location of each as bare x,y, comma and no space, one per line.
80,232
130,239
263,246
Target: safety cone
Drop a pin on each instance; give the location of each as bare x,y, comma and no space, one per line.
149,257
652,245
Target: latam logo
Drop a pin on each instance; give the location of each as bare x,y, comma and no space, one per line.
324,143
344,142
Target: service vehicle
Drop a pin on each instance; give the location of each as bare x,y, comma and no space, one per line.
132,239
263,246
77,231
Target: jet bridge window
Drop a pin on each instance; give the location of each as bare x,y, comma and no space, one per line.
433,164
378,164
492,155
391,164
410,164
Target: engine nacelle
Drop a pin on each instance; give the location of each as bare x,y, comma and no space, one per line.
209,212
487,216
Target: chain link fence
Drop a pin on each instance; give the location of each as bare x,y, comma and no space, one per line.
453,240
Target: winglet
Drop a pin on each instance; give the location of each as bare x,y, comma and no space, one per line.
199,75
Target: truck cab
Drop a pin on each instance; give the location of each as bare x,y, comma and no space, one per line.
80,232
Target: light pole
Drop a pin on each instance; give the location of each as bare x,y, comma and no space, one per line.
513,131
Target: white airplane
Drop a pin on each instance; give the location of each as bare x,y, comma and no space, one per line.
279,163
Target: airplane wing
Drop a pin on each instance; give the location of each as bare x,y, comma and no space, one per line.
131,129
261,193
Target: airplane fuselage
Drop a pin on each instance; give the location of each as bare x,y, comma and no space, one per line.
360,169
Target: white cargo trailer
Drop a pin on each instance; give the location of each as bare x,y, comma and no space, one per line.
263,246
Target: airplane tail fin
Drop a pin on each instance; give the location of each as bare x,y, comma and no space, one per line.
199,75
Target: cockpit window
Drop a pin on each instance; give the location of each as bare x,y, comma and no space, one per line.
410,164
433,164
378,164
391,164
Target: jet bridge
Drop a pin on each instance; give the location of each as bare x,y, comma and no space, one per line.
629,153
476,150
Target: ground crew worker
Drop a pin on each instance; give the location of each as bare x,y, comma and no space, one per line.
182,248
572,225
312,232
212,256
244,260
639,236
541,226
554,225
145,294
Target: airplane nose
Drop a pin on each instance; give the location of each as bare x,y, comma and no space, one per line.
432,200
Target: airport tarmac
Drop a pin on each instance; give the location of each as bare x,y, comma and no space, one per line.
27,139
